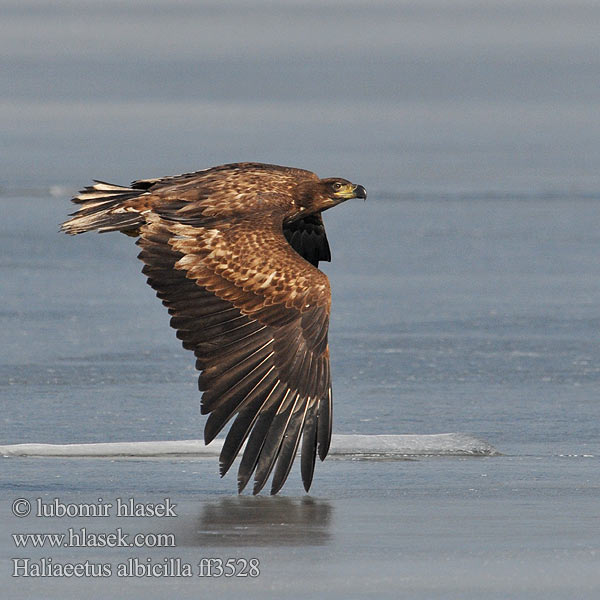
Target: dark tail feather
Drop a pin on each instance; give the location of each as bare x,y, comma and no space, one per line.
103,208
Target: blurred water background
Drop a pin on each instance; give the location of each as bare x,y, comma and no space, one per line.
466,289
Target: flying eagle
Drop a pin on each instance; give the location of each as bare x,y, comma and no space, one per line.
232,252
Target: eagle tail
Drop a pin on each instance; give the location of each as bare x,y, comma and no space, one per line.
106,207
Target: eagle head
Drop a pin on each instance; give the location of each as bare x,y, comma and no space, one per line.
322,194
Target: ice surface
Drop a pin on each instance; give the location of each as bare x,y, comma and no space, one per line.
442,444
466,290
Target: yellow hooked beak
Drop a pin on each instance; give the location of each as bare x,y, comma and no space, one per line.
350,190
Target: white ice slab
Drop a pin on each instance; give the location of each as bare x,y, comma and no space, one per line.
441,444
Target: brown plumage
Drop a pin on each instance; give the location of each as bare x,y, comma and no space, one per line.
233,252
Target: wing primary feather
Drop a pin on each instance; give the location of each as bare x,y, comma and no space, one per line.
289,446
299,373
216,334
221,319
228,356
221,415
258,435
324,425
214,348
222,377
273,441
218,395
309,446
240,429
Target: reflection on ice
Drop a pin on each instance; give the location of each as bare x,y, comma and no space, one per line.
260,521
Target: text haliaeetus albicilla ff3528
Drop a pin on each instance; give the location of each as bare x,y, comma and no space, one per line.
233,252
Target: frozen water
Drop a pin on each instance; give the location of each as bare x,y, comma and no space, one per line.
441,444
466,290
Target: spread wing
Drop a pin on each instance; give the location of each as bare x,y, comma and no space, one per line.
256,315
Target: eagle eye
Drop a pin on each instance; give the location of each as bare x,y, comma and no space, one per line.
336,186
